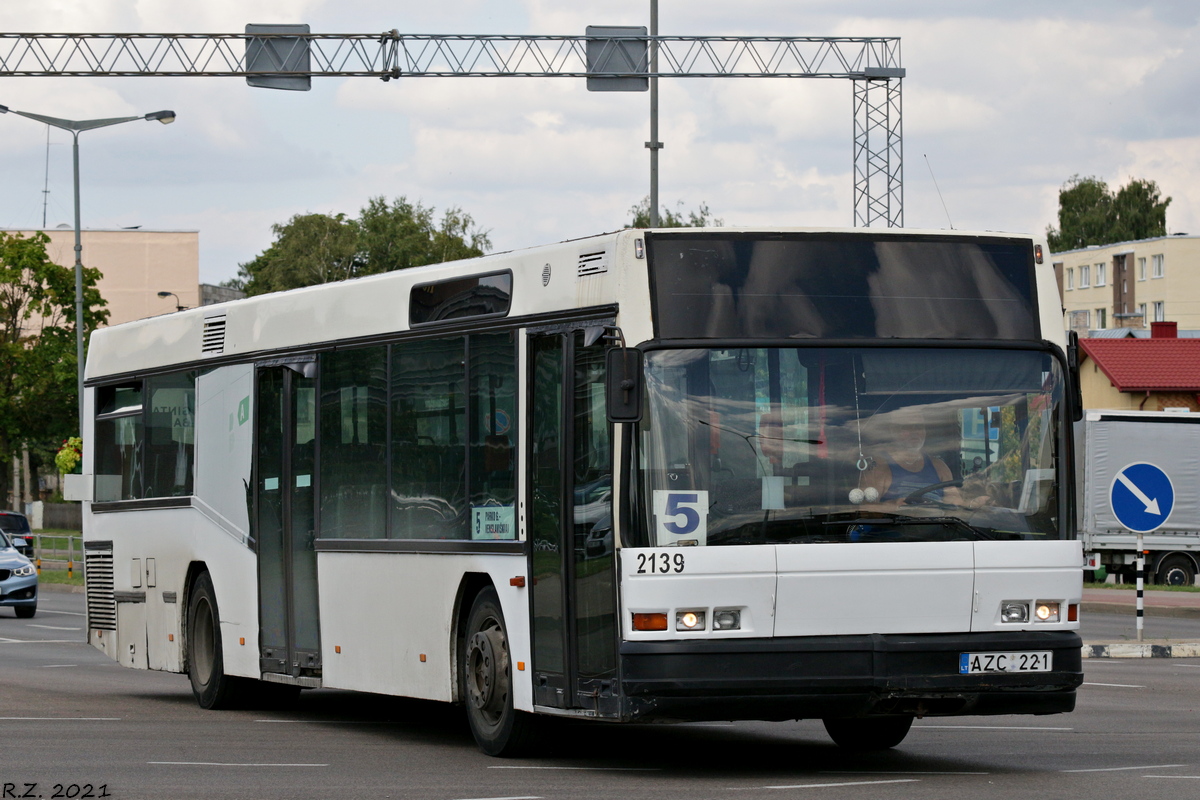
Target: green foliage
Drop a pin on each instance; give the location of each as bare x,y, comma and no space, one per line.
38,400
1089,213
700,218
317,248
69,455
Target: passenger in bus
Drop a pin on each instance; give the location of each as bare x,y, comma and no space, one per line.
901,468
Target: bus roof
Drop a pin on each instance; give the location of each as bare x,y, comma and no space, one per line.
592,272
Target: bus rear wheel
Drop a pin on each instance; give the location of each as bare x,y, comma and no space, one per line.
872,733
206,663
486,680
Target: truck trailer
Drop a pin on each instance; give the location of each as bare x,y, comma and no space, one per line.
1107,442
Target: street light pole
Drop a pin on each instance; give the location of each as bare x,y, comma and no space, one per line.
178,305
76,127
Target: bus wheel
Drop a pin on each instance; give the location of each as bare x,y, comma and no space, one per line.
498,728
874,733
206,664
1177,571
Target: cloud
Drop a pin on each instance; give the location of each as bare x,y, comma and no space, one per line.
1174,164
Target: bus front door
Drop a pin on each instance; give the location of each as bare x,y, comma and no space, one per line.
571,533
289,641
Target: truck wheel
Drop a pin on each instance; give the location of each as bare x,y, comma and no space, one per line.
486,680
206,663
1176,571
873,733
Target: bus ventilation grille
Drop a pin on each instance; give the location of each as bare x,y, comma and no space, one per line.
214,335
101,604
593,263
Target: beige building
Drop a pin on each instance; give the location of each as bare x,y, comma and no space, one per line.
136,264
1131,284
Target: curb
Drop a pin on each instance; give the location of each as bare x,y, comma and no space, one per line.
1141,650
1129,609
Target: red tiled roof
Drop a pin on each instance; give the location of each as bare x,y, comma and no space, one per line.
1147,364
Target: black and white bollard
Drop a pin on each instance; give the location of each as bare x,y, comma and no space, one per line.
1141,582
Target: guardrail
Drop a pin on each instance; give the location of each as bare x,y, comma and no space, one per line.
61,548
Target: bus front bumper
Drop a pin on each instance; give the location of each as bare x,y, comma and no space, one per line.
844,676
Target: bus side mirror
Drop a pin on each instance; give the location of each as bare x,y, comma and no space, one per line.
1076,389
623,384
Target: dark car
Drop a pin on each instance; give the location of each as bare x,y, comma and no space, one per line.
18,530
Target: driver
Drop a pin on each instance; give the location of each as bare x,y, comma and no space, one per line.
902,467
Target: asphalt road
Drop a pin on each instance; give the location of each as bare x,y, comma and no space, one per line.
69,716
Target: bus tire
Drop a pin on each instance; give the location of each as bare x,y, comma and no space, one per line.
486,680
206,663
1176,570
871,733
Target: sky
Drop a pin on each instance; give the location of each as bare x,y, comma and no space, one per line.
1003,103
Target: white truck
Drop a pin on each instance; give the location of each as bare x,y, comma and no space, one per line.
1105,443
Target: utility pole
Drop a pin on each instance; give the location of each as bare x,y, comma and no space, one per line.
654,144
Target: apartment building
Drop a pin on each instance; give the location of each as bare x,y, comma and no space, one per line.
1131,284
136,265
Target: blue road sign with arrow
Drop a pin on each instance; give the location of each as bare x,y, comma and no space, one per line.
1141,497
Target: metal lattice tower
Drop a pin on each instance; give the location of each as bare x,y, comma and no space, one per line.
872,64
878,154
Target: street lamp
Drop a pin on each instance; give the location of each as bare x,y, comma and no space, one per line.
76,127
178,305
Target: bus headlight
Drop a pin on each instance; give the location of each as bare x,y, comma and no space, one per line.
1014,611
727,619
689,620
1046,611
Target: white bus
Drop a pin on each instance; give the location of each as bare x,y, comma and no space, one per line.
693,474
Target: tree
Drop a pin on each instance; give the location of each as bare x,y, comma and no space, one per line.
317,248
38,398
1089,213
700,218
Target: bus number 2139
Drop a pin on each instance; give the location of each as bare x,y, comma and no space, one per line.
659,563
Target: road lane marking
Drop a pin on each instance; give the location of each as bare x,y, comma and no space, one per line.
894,772
1123,769
986,728
1181,777
60,719
844,783
55,666
67,613
52,627
1116,685
330,721
226,764
42,641
589,769
518,797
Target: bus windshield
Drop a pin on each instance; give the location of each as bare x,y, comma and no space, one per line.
794,445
